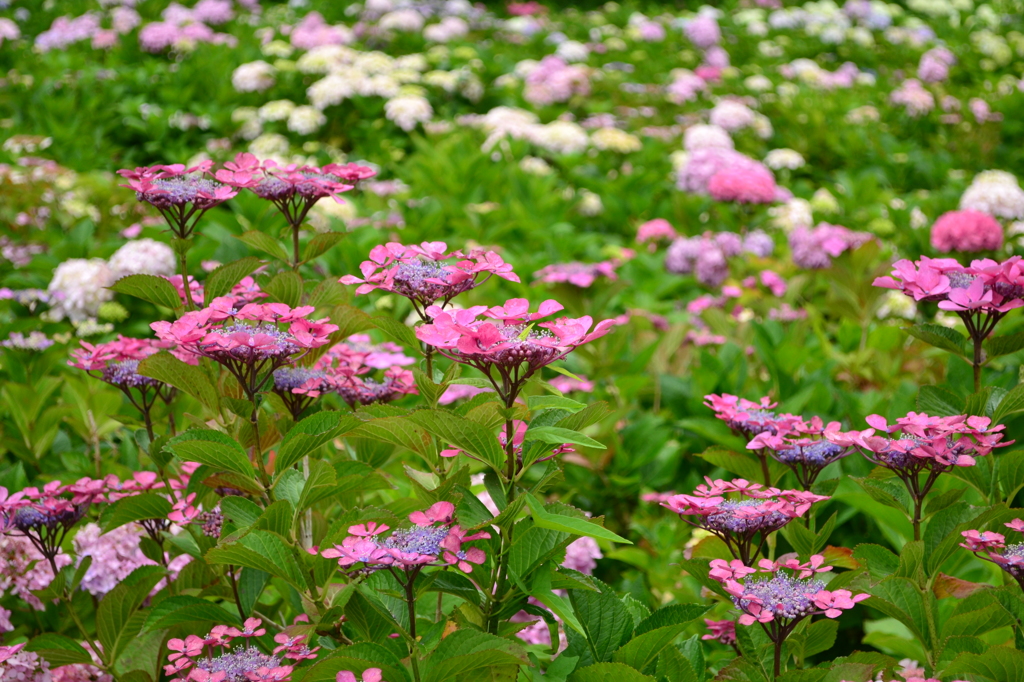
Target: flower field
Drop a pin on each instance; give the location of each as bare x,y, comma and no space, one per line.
431,341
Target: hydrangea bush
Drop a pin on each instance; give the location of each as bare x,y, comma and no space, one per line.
396,341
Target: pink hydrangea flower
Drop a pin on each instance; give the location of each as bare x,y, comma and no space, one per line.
966,231
181,194
743,186
578,274
428,274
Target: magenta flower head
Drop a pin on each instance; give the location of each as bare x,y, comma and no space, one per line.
966,231
802,447
785,596
434,539
182,195
919,443
743,185
723,631
428,274
219,658
993,547
740,513
45,515
251,342
747,418
508,343
292,188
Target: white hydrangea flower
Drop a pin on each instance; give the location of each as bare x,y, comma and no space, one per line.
613,139
732,115
590,203
573,51
253,77
791,215
561,137
702,136
897,304
406,20
270,145
996,193
277,110
535,166
306,120
406,111
142,257
778,159
79,286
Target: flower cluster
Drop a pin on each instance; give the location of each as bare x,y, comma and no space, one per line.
814,248
743,521
921,443
707,256
552,80
966,232
992,547
748,418
802,446
249,341
181,194
578,274
789,595
421,273
509,341
434,539
219,658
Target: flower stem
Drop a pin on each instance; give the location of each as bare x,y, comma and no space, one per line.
183,269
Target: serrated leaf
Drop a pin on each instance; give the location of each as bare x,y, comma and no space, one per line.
187,609
118,606
135,508
1011,403
557,436
192,380
212,448
609,672
998,664
152,288
399,332
265,243
462,433
356,659
286,287
1003,344
605,620
468,651
262,551
58,650
939,401
553,402
643,650
567,524
310,433
222,280
240,511
820,636
940,337
320,244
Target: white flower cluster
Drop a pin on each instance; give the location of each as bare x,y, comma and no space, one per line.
732,115
777,159
253,77
142,257
613,139
560,137
996,193
79,288
703,136
408,110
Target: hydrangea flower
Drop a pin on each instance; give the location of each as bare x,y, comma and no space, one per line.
181,194
965,232
582,275
510,344
434,539
428,274
744,520
802,447
992,547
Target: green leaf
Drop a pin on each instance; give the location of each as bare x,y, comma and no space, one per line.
605,620
328,292
118,606
1003,344
309,434
676,614
899,598
743,464
674,666
399,332
558,436
469,651
356,659
222,280
240,511
939,401
212,448
192,380
568,524
262,551
940,337
1011,403
286,287
820,636
135,508
59,650
998,664
265,243
464,434
887,492
152,288
277,518
450,582
643,650
609,672
1011,473
553,402
881,562
187,609
321,244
